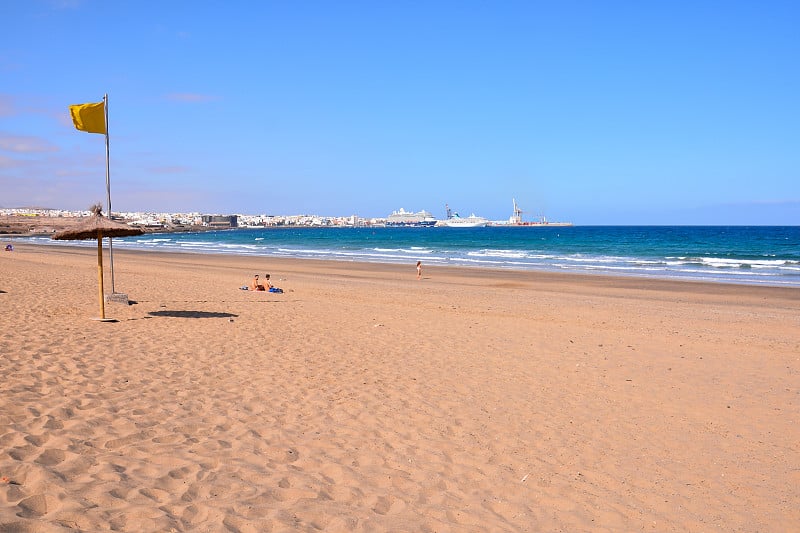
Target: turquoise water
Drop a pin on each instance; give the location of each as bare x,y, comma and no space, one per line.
732,254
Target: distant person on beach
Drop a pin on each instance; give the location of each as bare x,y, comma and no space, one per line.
9,248
256,284
419,269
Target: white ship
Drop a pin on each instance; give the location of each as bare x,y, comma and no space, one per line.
455,221
403,218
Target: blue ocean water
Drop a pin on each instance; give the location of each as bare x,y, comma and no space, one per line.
731,254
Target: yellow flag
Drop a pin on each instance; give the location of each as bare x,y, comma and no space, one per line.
90,118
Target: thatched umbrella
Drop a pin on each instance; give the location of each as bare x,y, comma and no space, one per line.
97,227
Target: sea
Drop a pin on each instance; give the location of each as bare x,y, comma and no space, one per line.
746,255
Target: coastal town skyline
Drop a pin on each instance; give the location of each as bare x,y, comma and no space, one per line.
164,220
596,114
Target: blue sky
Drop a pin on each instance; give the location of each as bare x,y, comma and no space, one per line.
596,112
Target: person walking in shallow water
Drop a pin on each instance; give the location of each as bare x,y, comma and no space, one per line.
419,270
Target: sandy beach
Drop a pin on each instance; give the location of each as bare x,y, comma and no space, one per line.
361,399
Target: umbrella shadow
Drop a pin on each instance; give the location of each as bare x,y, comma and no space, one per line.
192,314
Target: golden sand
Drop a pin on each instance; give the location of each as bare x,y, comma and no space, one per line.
362,399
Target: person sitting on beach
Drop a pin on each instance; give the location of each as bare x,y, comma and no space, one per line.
270,287
9,248
256,284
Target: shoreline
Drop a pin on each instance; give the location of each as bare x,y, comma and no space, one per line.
620,280
363,400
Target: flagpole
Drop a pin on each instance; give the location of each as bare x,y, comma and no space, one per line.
108,194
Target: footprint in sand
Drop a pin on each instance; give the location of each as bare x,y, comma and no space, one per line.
120,493
51,457
37,440
34,506
388,505
53,423
22,453
157,495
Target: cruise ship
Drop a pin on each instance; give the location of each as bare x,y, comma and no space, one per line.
403,218
455,221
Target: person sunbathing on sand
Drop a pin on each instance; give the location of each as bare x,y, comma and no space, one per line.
256,284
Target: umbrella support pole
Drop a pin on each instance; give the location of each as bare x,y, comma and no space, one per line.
100,280
100,276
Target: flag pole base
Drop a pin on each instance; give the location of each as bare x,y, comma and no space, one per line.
105,319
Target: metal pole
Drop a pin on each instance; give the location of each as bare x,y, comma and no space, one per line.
108,194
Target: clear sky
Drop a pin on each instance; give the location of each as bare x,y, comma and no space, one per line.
595,112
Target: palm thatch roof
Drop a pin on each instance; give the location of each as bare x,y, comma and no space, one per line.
96,226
